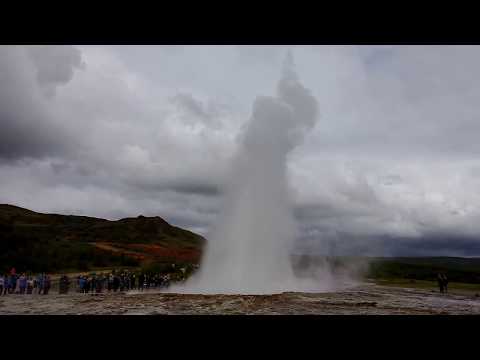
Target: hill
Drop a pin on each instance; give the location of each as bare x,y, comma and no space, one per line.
34,241
465,270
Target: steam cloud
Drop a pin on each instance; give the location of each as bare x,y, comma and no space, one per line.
249,250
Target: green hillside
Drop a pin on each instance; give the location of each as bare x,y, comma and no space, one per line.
465,270
462,270
33,241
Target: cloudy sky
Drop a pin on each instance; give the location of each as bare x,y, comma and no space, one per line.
391,168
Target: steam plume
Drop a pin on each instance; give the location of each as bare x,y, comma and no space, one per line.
249,250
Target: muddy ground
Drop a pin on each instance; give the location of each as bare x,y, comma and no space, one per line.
363,299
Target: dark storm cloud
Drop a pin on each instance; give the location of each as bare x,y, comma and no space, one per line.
181,185
440,245
434,245
347,244
192,105
20,138
314,212
55,65
195,109
195,188
28,129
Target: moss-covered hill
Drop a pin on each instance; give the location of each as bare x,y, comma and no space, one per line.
49,242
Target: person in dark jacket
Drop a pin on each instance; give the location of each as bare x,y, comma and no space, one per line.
12,284
141,280
47,284
98,285
88,283
132,281
22,283
127,281
110,282
93,284
64,285
445,282
40,283
440,282
122,282
82,284
116,283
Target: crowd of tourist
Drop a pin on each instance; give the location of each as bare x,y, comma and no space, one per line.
123,281
13,283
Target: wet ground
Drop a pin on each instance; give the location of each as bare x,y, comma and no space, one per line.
363,299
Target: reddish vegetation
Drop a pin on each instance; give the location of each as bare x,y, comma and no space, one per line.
109,247
157,251
151,251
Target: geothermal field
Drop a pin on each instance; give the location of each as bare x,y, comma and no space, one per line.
367,299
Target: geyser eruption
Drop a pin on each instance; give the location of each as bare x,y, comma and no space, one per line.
249,250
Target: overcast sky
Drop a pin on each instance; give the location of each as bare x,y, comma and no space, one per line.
391,168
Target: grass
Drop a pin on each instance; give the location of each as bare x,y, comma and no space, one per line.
456,288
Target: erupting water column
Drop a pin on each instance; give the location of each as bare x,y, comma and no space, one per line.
248,251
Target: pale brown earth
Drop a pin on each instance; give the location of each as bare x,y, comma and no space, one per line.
363,299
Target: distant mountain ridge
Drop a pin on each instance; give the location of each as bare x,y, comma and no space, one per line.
55,242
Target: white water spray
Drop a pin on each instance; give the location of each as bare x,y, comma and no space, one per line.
248,252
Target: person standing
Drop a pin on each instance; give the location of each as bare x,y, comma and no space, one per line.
116,282
29,285
64,284
88,284
61,285
122,282
17,284
109,282
82,284
141,281
22,284
132,281
98,284
93,285
2,284
445,283
47,284
440,282
105,281
99,287
40,283
127,281
13,281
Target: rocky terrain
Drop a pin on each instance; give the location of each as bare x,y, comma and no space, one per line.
362,299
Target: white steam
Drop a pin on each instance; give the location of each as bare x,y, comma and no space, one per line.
249,250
